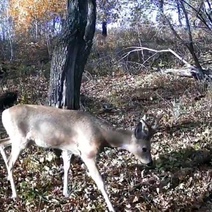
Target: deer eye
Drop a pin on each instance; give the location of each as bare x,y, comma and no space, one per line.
144,149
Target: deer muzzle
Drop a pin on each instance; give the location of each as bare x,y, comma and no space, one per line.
150,163
146,159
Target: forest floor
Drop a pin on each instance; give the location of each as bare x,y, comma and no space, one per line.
181,179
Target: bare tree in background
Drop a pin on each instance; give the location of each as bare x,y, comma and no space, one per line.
6,28
181,6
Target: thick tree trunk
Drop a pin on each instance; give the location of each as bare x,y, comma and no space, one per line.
71,53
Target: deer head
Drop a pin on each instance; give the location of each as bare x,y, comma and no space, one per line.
140,144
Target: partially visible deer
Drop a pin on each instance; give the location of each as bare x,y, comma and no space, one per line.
73,132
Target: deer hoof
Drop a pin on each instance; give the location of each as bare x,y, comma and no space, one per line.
14,196
66,194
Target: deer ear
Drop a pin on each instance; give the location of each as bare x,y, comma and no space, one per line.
141,130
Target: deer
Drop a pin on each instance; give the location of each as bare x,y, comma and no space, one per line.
74,132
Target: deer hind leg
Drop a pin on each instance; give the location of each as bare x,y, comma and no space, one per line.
91,165
66,155
17,146
14,193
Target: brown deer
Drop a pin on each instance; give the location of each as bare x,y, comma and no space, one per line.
73,132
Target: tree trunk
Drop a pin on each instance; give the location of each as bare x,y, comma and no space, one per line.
70,54
104,28
160,5
179,16
190,44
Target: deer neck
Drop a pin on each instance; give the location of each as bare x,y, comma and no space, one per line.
119,138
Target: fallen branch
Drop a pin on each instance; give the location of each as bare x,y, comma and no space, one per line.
187,71
136,49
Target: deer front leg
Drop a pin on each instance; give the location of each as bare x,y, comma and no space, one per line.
66,155
17,146
10,176
91,165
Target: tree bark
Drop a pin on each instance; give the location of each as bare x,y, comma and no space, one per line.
70,54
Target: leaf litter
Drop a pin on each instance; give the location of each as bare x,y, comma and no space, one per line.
181,177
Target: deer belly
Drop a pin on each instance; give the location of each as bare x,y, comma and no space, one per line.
48,143
42,143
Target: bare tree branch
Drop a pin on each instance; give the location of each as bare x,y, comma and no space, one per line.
199,13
